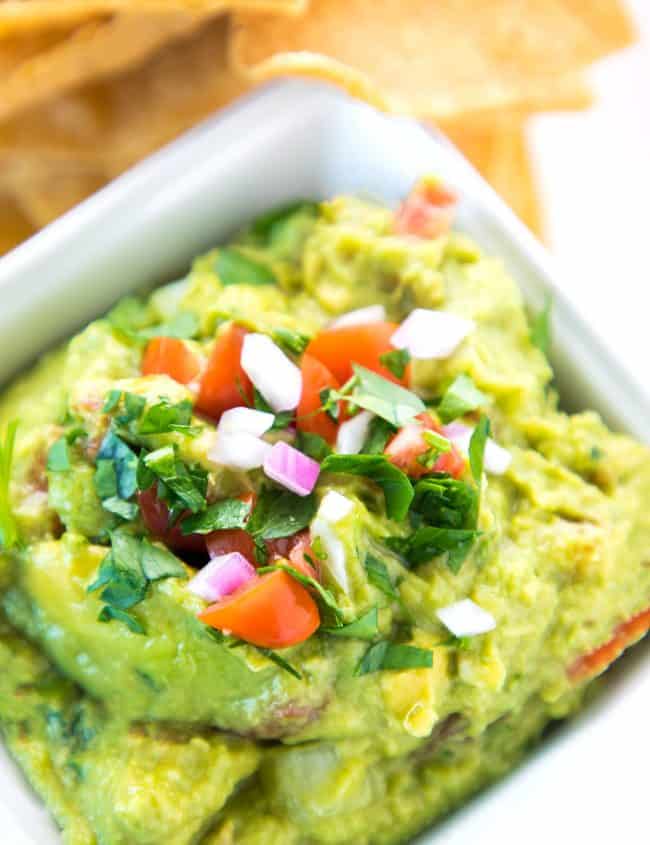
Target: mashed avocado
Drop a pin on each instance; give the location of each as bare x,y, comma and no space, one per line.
137,718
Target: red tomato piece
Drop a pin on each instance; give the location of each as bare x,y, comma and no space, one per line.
405,447
171,357
339,348
224,384
589,665
155,514
315,378
228,540
272,611
427,212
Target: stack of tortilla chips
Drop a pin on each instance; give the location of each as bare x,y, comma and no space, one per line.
89,87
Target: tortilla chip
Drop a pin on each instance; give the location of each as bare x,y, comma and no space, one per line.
26,16
499,151
114,123
14,225
92,51
437,59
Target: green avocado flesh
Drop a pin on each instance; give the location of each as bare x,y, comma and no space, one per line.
168,735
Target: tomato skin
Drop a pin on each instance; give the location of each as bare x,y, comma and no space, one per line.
589,665
155,514
315,378
224,383
405,447
427,212
171,357
339,348
228,540
272,611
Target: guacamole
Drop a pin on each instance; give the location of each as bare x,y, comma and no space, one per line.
300,548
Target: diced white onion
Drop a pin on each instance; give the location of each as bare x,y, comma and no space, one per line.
334,506
465,618
245,421
352,433
239,451
429,334
496,459
273,374
360,316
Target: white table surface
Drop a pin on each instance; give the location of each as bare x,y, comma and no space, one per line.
593,170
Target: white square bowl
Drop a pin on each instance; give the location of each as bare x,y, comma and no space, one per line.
296,140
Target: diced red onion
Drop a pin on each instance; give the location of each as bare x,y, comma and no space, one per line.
273,374
360,317
291,468
429,334
465,618
496,459
245,421
222,576
352,433
239,451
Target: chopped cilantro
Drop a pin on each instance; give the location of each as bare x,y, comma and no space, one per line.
108,613
120,507
378,576
105,479
379,433
313,445
366,627
387,400
437,445
265,226
124,461
291,341
228,513
477,446
58,456
158,562
187,487
279,514
131,317
397,360
445,502
461,397
280,661
385,655
113,398
164,417
396,486
8,527
540,329
235,268
281,420
427,542
184,325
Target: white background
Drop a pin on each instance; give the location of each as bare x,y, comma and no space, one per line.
593,172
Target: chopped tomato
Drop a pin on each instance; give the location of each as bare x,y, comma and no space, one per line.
171,357
272,611
427,212
627,633
155,514
224,384
315,378
297,549
302,558
228,540
339,348
405,447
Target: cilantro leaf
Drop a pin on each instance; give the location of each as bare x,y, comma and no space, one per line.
378,576
387,400
477,445
280,514
280,661
164,417
235,268
109,613
228,513
188,487
429,541
313,445
184,325
133,408
396,486
113,398
8,527
385,655
280,420
291,341
445,502
131,318
461,397
265,226
120,573
379,433
366,627
540,330
158,562
120,507
58,456
105,479
124,461
397,360
325,595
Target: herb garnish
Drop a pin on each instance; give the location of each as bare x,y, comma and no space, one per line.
280,420
386,655
313,445
389,401
266,225
227,513
477,445
291,341
379,433
378,576
279,515
185,487
540,329
131,318
234,268
437,446
397,360
429,541
124,461
445,502
326,596
461,397
366,627
8,527
58,457
398,491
